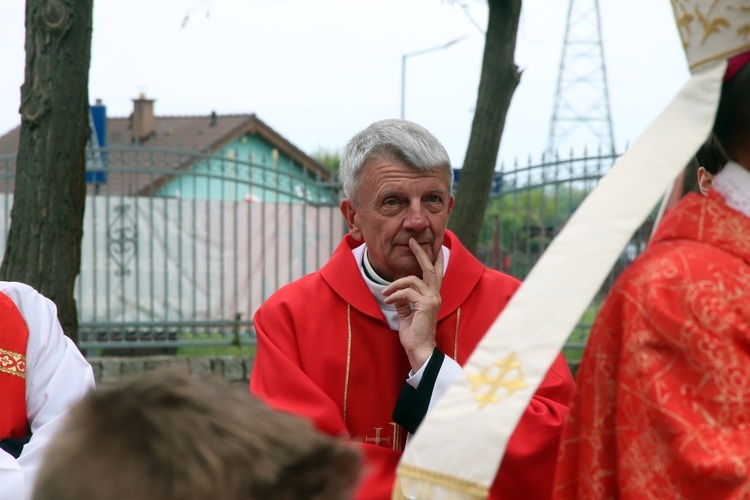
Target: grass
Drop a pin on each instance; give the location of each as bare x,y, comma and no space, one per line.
227,345
221,344
194,344
581,333
218,350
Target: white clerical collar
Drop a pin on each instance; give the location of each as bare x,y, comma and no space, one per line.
733,184
360,256
370,272
376,287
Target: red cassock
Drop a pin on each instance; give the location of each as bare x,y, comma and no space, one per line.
326,352
663,402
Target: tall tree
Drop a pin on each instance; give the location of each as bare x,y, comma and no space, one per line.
497,83
44,244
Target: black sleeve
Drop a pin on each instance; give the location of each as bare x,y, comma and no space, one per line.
14,446
412,403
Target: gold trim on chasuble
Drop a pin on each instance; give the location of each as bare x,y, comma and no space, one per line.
396,428
13,363
348,356
455,337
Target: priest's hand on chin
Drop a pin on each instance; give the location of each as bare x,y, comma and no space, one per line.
417,302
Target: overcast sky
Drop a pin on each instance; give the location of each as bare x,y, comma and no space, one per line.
318,71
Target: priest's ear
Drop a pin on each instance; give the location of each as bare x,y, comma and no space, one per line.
349,211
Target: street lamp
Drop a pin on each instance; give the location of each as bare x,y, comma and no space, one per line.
423,51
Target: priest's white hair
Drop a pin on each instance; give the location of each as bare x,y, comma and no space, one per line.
400,141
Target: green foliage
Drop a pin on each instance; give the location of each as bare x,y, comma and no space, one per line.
526,221
330,159
577,340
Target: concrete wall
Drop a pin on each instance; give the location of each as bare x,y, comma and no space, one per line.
112,370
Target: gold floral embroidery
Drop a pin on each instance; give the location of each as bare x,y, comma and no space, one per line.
684,20
744,29
13,363
710,25
712,29
665,372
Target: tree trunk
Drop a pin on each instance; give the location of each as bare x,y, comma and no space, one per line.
497,83
44,244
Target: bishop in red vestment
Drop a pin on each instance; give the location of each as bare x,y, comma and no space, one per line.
326,352
663,401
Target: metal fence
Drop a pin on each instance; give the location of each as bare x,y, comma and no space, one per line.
176,257
533,204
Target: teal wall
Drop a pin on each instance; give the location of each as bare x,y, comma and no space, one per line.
245,170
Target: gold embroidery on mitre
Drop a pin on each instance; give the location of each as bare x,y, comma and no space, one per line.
13,363
711,25
684,20
743,30
495,377
712,30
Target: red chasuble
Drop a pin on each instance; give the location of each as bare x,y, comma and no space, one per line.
14,336
663,402
326,352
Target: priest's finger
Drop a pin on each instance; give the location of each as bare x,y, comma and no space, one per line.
429,271
413,296
409,282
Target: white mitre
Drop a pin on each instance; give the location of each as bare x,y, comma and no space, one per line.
458,448
712,30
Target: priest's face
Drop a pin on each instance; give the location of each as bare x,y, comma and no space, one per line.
394,203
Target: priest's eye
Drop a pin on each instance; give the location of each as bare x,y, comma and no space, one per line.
391,202
433,198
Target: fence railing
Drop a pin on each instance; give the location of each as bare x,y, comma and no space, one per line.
175,257
534,203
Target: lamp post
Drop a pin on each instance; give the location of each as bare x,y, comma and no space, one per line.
419,52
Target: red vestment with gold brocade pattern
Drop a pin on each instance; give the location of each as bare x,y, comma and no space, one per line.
663,400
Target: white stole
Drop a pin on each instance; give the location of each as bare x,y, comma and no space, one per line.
458,448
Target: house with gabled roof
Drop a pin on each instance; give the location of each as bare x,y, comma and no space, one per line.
190,223
180,156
